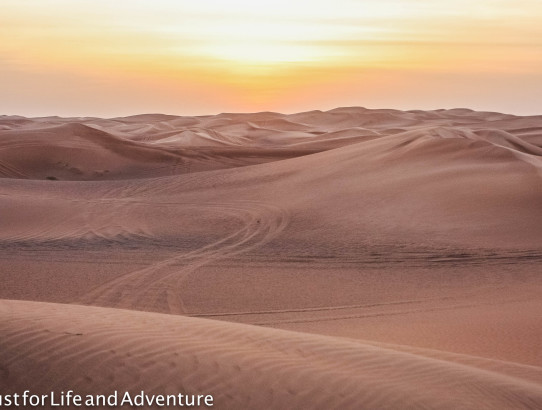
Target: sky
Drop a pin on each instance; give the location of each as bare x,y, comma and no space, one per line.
123,57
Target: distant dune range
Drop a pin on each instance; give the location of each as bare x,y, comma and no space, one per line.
398,255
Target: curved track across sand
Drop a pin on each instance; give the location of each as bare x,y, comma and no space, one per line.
158,287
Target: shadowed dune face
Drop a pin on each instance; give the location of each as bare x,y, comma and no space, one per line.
77,152
418,228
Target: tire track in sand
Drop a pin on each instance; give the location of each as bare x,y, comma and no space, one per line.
158,287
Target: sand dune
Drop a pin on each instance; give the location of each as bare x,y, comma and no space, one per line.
398,252
90,350
74,151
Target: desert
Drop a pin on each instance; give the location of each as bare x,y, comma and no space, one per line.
352,258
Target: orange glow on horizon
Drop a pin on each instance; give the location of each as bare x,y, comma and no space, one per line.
187,57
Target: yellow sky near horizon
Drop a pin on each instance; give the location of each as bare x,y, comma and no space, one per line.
193,57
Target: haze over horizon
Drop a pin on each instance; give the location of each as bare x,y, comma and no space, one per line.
192,58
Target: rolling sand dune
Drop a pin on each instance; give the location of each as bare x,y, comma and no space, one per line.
396,255
74,151
90,350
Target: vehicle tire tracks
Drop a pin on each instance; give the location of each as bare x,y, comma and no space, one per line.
158,287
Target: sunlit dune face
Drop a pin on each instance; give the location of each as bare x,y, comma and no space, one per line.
231,55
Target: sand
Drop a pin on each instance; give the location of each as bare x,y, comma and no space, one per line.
351,258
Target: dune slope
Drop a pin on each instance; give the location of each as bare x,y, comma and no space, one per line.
90,350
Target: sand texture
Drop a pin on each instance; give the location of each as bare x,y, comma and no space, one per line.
351,258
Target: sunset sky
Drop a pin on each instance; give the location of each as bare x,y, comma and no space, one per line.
109,58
